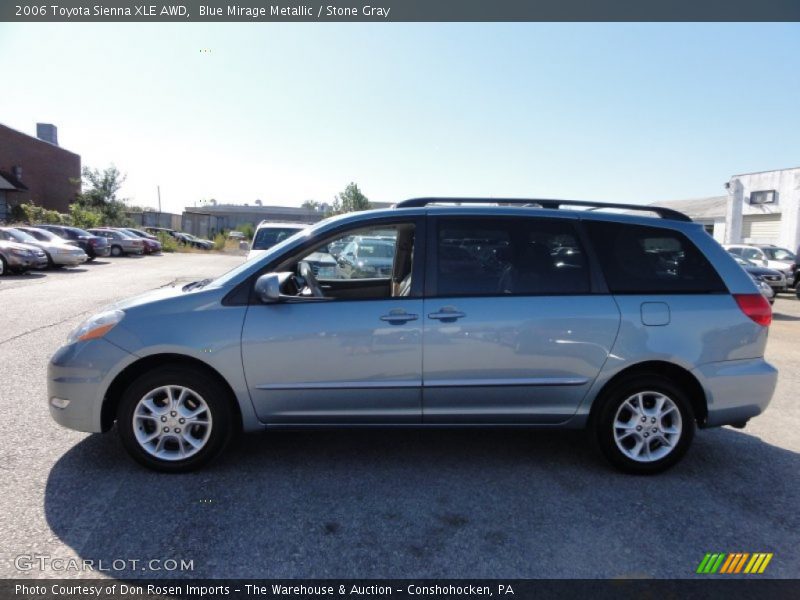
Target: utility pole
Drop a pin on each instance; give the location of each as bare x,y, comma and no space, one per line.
158,188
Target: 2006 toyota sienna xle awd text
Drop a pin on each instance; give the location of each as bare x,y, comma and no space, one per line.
502,313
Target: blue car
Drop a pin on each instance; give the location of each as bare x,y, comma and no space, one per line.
497,313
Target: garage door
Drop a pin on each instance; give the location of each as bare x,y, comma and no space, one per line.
761,229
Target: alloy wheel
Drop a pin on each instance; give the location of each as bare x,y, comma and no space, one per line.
647,426
172,422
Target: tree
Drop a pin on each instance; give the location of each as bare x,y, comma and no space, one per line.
99,194
350,200
310,204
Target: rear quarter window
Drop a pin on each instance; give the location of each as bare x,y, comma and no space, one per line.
636,259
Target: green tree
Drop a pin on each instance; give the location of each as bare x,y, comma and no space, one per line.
310,204
100,189
350,200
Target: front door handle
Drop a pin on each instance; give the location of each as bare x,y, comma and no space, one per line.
398,316
447,313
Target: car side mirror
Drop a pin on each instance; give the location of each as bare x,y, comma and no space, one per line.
268,288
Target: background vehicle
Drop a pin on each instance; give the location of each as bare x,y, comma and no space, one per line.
765,289
119,242
767,255
270,233
151,243
775,279
18,258
644,331
58,252
196,242
366,257
93,245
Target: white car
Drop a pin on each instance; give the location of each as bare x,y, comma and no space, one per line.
270,233
59,252
767,255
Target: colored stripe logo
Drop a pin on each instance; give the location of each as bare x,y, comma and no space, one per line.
732,563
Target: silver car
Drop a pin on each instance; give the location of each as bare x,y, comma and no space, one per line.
647,330
18,258
121,243
59,252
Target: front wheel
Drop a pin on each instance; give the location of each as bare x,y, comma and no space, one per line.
175,419
645,424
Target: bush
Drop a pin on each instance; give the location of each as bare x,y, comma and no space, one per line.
219,242
84,217
168,243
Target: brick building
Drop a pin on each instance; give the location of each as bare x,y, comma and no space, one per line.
36,169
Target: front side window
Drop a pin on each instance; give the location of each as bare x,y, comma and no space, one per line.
638,259
488,257
752,254
368,263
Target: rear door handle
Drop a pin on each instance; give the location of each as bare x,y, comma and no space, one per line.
399,316
448,313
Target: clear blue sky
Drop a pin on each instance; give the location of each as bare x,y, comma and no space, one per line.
289,112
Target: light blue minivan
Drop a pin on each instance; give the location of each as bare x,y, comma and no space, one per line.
502,313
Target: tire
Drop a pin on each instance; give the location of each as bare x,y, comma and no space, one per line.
116,251
144,410
621,404
50,263
3,266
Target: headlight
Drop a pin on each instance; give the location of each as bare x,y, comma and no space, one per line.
96,326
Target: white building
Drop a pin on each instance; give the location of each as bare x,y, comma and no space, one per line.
759,208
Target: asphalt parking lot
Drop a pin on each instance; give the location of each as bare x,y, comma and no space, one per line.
372,504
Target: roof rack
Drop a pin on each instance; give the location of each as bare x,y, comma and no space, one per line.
664,213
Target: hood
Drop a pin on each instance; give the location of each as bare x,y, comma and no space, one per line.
18,246
171,290
762,271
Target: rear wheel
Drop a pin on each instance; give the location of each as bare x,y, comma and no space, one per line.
175,419
116,251
645,424
3,266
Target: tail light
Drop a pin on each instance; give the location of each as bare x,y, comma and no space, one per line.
756,307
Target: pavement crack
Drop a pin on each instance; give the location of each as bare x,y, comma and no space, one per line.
42,327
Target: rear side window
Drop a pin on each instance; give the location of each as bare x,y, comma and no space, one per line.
650,260
516,257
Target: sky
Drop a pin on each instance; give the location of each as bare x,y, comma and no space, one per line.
290,112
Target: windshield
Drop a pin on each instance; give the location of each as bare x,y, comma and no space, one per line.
267,237
375,250
21,236
779,254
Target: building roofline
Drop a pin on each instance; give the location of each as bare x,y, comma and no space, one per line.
33,137
766,171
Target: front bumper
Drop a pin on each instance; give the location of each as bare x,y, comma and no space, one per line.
736,390
69,260
82,373
21,262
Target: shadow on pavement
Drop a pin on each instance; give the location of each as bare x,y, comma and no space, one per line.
414,503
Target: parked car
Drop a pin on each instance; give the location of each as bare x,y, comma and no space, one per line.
151,243
769,256
765,289
18,258
120,243
650,331
775,279
269,234
58,252
366,257
196,242
92,245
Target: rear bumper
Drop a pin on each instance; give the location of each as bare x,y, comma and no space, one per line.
104,251
736,390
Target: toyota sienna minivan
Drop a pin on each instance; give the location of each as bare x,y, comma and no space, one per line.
501,313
